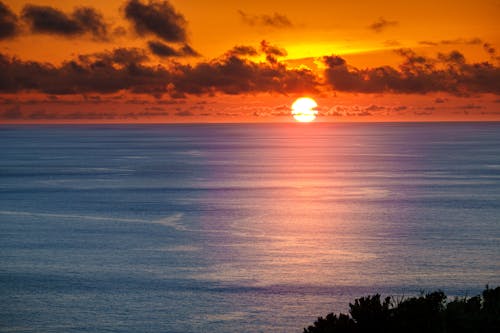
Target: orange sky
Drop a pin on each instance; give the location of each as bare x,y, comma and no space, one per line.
59,60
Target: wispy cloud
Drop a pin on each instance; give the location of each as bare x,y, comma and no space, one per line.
382,24
162,50
274,20
456,41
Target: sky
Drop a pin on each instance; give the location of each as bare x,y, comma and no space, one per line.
150,61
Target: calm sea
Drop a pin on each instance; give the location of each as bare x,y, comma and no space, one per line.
239,228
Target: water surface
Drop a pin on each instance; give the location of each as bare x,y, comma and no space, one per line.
249,228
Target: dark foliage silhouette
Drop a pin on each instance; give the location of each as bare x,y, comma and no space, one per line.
430,313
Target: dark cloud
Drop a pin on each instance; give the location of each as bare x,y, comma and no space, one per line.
188,51
275,20
449,73
489,48
381,24
8,22
127,69
158,18
45,19
243,50
440,100
233,75
92,21
163,50
272,51
119,56
492,52
106,72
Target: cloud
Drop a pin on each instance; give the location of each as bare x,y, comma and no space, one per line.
105,72
155,108
470,107
374,107
127,69
428,43
188,51
400,108
243,50
45,19
92,115
8,22
163,50
492,52
119,56
184,113
12,113
275,20
392,43
382,24
272,51
233,75
449,73
158,18
456,41
422,113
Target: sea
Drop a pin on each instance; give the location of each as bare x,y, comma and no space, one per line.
239,227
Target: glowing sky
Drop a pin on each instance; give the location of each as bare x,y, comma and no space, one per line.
210,61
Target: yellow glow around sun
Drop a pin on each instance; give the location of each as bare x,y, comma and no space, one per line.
303,109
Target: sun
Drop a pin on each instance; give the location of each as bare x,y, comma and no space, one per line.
303,109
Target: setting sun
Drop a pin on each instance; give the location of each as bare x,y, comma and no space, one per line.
303,109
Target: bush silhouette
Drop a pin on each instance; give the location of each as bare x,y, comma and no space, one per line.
429,313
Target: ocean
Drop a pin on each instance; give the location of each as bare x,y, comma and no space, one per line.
239,227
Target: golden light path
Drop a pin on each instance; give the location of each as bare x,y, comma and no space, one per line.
303,109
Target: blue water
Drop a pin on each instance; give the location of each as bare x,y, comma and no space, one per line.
239,228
